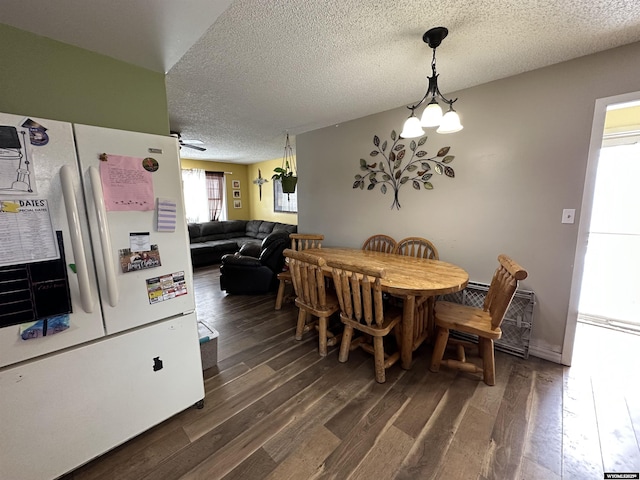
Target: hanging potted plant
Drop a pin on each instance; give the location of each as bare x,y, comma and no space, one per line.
287,172
286,177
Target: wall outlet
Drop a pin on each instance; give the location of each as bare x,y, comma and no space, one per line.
569,215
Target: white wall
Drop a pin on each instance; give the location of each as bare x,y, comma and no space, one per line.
520,160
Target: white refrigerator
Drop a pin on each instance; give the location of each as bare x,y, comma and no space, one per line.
98,332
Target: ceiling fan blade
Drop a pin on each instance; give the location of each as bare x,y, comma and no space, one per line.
195,147
194,144
191,142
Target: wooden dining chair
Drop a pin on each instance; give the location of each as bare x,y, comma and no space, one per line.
359,294
416,247
299,241
420,248
379,243
483,322
312,298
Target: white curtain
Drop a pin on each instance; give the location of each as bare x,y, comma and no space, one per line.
196,203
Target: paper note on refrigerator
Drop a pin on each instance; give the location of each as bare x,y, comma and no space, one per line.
26,232
126,184
167,209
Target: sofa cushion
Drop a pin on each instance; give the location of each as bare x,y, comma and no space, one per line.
265,229
284,227
199,246
220,247
244,240
211,228
212,231
253,226
214,247
235,226
203,253
194,231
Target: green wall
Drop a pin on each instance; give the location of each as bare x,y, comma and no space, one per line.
50,79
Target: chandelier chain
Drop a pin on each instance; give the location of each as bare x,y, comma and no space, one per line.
433,62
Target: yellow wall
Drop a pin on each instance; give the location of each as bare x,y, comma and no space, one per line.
252,207
233,171
263,210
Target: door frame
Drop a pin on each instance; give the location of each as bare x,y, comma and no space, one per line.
597,131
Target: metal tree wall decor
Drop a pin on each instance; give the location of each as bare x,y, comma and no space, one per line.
393,174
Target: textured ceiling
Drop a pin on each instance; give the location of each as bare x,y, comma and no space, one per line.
153,34
267,67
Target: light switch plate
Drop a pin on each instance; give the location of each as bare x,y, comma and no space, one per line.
569,215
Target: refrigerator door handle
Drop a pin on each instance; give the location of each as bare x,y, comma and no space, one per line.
77,244
105,237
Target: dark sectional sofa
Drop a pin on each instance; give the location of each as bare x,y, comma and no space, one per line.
209,241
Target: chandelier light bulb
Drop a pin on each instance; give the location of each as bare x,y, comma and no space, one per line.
412,128
432,115
450,123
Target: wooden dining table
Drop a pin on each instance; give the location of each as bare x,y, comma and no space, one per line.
406,277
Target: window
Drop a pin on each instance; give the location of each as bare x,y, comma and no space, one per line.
215,194
204,198
284,202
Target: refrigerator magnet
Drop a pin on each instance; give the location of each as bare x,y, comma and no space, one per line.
167,214
37,133
133,261
45,327
166,287
150,164
139,241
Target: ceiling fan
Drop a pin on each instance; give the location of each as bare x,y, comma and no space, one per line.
195,144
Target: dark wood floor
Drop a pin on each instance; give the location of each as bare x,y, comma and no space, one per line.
275,410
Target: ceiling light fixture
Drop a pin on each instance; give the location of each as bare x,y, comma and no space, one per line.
432,115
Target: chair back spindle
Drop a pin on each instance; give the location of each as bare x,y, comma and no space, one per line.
299,242
304,241
307,277
312,298
360,296
359,292
379,243
417,247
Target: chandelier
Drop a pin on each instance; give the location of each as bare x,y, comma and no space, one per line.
432,115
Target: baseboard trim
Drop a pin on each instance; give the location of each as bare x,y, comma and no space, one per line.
555,357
